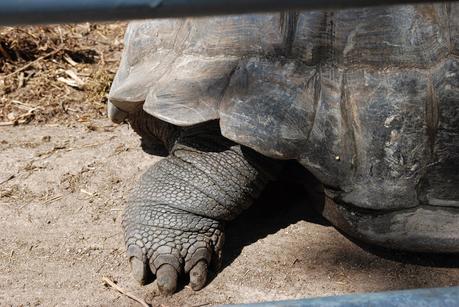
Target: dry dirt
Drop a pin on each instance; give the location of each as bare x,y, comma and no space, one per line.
62,190
65,172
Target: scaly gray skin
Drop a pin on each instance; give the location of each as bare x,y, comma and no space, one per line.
174,221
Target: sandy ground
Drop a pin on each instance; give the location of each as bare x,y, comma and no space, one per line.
62,191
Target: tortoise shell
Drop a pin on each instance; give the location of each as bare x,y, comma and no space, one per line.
365,99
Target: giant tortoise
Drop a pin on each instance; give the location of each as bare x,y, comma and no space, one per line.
366,100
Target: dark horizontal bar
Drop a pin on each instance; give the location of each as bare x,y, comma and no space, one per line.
440,297
21,12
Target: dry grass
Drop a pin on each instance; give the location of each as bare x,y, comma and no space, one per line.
51,73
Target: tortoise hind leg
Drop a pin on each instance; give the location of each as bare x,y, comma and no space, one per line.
174,221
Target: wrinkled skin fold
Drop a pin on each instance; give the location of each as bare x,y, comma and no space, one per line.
174,221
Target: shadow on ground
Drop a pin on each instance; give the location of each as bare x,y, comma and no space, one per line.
285,203
282,204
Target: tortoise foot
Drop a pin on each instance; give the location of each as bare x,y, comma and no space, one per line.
168,243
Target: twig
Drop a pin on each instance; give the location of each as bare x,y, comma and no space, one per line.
23,118
28,106
7,179
51,200
86,192
92,145
122,291
101,267
49,153
32,63
70,60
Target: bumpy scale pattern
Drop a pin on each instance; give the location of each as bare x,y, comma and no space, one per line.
175,215
157,137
